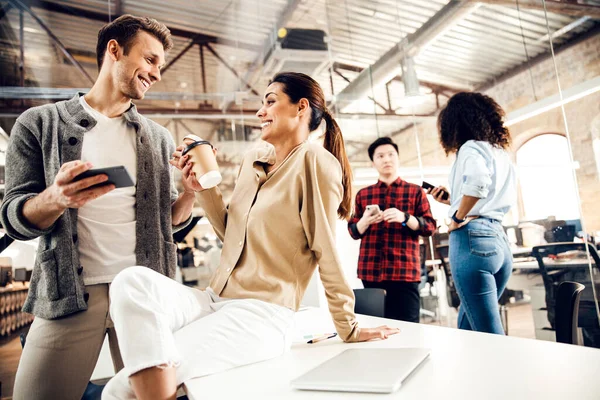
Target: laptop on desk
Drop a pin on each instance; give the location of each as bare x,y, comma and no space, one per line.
363,370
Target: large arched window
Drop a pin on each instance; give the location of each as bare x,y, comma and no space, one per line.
546,179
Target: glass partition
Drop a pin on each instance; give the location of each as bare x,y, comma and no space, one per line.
578,82
518,71
387,69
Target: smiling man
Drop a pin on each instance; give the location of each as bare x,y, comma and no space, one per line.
389,217
89,232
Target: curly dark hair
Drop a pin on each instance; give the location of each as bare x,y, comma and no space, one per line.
472,116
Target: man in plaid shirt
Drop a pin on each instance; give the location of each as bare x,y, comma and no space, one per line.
389,218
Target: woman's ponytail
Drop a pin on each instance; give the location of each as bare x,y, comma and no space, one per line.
334,143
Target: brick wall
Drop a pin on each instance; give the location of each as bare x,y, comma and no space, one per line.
575,65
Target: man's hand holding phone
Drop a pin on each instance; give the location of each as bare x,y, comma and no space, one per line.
372,215
66,193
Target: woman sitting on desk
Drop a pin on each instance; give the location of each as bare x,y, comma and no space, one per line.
482,181
279,225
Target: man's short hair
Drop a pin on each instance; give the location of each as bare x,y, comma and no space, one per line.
381,142
125,28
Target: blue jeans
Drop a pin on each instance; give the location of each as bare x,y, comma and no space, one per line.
481,263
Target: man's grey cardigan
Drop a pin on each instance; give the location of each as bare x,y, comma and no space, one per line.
43,139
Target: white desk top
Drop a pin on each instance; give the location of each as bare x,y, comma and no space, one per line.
463,365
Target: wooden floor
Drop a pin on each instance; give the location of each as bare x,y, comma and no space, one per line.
520,320
10,352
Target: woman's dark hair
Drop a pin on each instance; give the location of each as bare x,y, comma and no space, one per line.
298,86
472,116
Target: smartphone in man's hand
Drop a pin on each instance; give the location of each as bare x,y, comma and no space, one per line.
372,209
117,176
427,186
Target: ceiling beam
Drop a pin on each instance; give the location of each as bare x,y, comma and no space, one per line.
435,87
118,7
4,10
538,59
23,6
55,94
215,114
191,44
386,110
102,17
388,66
573,8
231,69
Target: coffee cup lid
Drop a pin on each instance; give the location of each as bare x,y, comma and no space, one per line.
192,137
196,143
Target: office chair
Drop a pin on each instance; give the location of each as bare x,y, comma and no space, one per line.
552,277
451,293
567,312
423,258
425,278
370,302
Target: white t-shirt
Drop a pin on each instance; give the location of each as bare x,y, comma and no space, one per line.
106,225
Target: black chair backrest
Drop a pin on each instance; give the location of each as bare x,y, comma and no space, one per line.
567,311
442,252
552,278
442,255
423,258
370,302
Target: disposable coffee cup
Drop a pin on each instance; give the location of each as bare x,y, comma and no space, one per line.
204,163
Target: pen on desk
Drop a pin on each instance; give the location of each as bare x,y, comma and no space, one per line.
308,337
316,340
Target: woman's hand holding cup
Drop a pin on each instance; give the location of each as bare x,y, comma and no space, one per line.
182,163
196,164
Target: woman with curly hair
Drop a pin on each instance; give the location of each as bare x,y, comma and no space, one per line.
482,183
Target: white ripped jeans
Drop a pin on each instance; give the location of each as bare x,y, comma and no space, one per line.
161,322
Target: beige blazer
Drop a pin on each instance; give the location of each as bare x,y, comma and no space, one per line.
278,227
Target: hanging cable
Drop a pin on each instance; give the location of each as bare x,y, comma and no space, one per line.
526,52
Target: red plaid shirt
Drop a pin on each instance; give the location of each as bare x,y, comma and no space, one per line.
390,251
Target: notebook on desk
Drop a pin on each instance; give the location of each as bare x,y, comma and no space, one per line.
363,370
